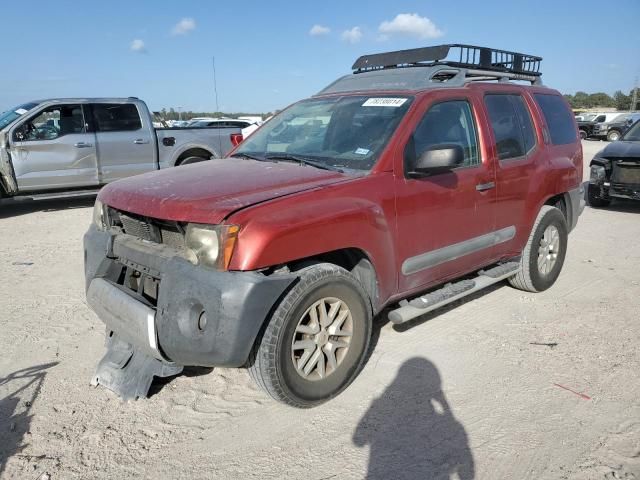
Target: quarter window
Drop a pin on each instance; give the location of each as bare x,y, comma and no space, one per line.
53,122
560,122
511,124
112,117
448,123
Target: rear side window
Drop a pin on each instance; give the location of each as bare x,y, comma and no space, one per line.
112,117
511,124
558,117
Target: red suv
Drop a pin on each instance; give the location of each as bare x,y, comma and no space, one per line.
415,180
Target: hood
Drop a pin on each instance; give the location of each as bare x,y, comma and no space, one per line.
621,149
208,192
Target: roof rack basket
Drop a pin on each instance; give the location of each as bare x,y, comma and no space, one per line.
479,62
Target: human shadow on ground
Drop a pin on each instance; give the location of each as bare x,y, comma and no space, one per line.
15,408
412,431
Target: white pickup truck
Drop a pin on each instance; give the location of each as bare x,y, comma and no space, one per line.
66,147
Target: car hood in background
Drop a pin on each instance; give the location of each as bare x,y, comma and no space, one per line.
621,149
208,192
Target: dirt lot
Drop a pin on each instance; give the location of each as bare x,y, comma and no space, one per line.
505,385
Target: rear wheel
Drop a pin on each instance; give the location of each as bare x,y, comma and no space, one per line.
544,254
315,342
583,135
596,198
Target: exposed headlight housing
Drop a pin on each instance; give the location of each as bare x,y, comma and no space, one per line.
597,174
212,245
99,218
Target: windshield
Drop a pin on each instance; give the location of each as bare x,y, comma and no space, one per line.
10,115
346,132
633,134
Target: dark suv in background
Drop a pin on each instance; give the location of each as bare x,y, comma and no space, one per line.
614,129
615,171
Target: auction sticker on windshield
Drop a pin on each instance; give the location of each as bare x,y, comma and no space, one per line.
21,111
384,102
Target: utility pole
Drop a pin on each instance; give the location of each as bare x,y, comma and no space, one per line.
634,97
179,113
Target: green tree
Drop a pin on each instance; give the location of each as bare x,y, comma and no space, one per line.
601,99
621,101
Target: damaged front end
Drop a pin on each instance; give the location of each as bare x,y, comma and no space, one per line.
162,311
616,178
8,184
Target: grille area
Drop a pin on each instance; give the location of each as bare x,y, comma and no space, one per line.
626,172
153,230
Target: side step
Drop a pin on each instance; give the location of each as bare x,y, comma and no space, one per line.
410,309
54,195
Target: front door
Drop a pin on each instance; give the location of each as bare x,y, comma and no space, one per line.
446,221
54,150
126,145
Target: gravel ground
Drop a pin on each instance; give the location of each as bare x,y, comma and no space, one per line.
503,385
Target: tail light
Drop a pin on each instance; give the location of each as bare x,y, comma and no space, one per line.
236,139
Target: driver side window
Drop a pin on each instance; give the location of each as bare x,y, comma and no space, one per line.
53,122
448,123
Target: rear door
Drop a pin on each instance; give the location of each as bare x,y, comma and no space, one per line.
126,144
519,160
446,223
53,149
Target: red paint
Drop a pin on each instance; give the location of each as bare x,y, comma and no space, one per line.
288,212
581,395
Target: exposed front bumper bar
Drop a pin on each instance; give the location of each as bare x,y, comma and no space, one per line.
236,304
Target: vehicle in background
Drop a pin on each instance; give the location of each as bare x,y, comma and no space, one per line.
590,120
615,171
613,129
220,123
66,147
403,186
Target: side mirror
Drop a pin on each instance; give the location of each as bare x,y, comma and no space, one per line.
437,159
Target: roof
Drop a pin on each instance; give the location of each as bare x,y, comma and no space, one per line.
442,66
88,100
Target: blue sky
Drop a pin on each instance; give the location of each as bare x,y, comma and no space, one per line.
267,57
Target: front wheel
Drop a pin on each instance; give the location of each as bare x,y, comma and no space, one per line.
544,253
316,340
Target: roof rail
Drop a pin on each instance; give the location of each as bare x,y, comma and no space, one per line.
481,62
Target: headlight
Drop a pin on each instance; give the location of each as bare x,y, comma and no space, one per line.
98,215
212,244
598,174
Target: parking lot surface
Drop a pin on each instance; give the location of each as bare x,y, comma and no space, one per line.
505,384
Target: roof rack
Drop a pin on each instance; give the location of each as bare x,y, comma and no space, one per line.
482,63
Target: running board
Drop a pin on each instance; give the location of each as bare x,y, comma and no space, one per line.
410,309
57,195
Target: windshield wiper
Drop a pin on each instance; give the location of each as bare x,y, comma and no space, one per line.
302,161
246,155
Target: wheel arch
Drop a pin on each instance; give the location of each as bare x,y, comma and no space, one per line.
193,152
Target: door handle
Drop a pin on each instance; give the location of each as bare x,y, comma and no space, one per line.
140,141
82,145
481,187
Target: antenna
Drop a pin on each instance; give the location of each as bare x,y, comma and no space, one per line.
215,91
634,97
215,84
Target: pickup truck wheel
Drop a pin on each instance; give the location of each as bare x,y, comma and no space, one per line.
583,135
314,344
190,160
613,136
594,195
543,256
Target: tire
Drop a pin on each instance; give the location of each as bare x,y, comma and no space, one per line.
274,361
595,198
532,277
190,160
613,136
583,134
